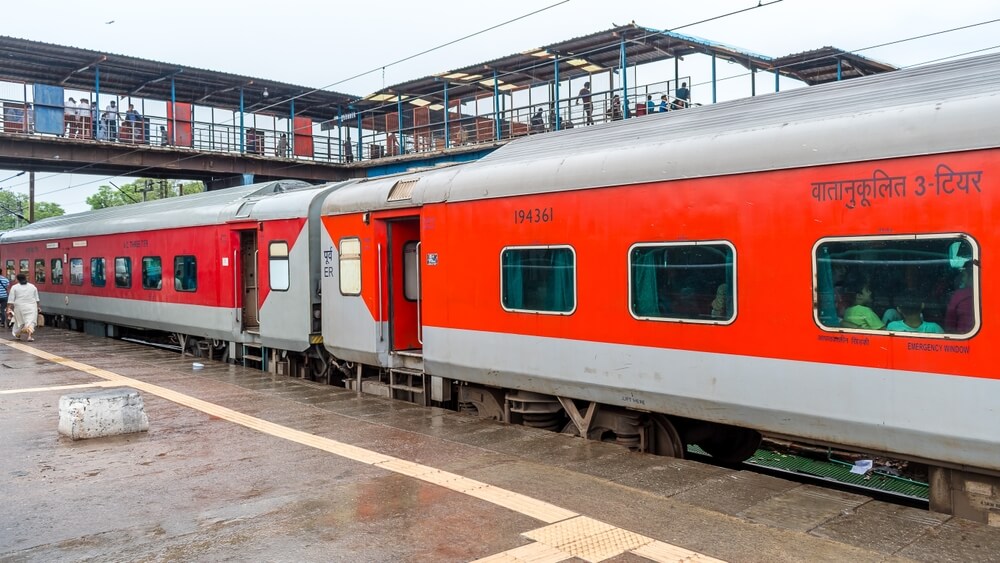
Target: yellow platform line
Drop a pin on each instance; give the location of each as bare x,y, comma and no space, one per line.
58,388
540,510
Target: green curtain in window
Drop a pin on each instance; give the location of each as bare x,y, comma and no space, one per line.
644,291
513,280
561,296
827,299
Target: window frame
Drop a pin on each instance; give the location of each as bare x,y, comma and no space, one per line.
976,287
128,263
82,272
272,258
680,243
52,270
104,271
11,269
576,269
340,266
194,260
144,276
39,261
24,267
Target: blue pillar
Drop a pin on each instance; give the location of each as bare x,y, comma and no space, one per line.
496,106
95,109
358,152
340,134
777,85
173,112
556,109
753,80
715,97
399,124
242,147
840,70
291,122
447,130
623,68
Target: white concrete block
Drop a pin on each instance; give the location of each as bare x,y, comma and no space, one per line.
107,412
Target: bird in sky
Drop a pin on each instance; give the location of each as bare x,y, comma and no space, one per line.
109,22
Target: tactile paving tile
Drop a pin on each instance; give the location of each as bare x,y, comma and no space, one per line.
666,553
531,553
588,539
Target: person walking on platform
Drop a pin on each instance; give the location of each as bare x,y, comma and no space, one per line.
69,115
23,304
281,149
588,102
110,121
683,96
4,287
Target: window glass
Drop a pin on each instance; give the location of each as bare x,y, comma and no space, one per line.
152,272
691,281
57,270
76,271
97,274
185,273
10,270
123,272
538,279
350,266
921,284
40,270
24,267
277,265
411,271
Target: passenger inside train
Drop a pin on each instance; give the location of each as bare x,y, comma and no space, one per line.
911,306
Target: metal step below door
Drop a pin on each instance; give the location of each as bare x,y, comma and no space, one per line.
408,385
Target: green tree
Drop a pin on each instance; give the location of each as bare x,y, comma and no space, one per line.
143,189
12,205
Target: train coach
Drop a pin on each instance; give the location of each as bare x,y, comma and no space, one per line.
807,264
226,273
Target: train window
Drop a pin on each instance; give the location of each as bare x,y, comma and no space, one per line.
538,279
912,285
76,271
57,271
123,272
687,282
350,266
24,267
411,271
185,273
39,270
277,265
98,277
152,272
10,270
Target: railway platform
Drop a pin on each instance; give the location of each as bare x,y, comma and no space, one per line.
242,465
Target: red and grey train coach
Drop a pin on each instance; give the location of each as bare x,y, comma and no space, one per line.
811,264
227,272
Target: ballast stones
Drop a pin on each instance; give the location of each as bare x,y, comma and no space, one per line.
102,413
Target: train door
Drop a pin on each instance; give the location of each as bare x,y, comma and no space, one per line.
248,279
404,284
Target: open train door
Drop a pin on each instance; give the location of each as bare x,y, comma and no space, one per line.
247,281
404,284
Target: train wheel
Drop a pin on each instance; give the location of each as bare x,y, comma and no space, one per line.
732,444
663,438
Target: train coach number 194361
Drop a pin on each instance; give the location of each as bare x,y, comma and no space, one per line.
533,215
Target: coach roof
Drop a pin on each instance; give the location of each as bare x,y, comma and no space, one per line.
283,199
945,107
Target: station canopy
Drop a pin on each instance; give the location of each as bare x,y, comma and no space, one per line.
602,52
26,61
31,62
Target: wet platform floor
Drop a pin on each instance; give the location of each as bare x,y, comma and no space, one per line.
243,466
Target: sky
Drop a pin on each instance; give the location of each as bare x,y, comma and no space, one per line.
350,47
